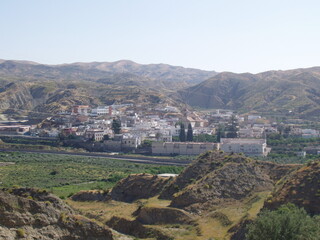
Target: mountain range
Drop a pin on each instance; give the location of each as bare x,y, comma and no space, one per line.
293,92
104,72
49,88
31,86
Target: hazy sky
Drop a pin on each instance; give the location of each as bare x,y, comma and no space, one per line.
224,35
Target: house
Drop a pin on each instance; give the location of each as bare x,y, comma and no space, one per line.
310,133
69,131
182,148
175,131
315,150
250,147
14,129
253,117
301,154
122,143
130,143
80,110
251,132
96,135
304,133
100,110
245,132
54,133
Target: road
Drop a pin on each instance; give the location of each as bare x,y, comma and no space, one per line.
145,160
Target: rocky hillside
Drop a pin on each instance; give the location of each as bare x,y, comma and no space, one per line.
34,87
51,97
301,188
129,189
217,177
138,186
33,214
53,87
107,72
211,199
213,178
163,72
294,92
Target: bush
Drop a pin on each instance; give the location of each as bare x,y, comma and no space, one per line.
20,233
286,223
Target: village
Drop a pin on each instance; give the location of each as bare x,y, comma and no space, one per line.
164,130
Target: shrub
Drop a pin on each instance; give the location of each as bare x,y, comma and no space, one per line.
20,233
287,222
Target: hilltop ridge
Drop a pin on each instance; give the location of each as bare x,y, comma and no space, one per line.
292,92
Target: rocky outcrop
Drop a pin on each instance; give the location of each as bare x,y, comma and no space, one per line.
35,214
217,177
135,228
301,188
138,186
92,195
15,96
152,215
204,164
233,181
277,171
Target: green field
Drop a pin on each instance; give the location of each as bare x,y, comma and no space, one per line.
64,175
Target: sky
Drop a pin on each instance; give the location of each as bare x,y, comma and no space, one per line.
221,35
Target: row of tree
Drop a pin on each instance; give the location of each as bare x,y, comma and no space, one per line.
182,136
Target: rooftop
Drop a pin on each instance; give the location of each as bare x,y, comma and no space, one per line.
243,140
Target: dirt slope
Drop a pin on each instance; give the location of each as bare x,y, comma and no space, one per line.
33,214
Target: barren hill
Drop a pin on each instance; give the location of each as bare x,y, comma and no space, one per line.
293,92
96,71
301,188
217,177
38,87
34,214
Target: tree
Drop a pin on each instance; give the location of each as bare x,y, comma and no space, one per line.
189,133
159,135
182,135
287,222
205,138
232,130
220,132
116,126
145,144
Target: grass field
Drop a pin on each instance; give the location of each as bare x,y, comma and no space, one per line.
64,175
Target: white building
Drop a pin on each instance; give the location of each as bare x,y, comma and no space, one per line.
131,142
251,147
310,133
175,131
100,110
252,132
253,117
182,148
